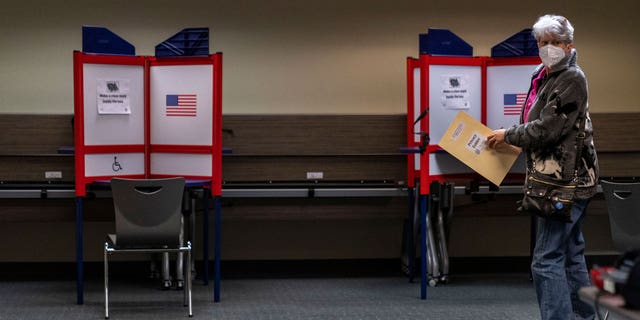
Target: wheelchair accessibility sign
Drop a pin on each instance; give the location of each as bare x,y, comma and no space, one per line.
99,165
115,166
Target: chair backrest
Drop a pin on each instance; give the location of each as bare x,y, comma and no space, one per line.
147,211
623,203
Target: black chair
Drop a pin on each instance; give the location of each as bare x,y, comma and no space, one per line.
147,215
623,203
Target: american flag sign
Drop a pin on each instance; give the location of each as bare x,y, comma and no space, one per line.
181,105
513,103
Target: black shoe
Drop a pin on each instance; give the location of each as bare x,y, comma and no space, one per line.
179,285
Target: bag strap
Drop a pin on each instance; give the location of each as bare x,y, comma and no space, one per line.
579,145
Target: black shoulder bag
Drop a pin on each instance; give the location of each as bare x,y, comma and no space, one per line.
552,198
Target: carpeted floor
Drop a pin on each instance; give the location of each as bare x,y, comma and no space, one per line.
482,296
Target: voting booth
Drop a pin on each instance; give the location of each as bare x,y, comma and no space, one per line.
445,80
147,116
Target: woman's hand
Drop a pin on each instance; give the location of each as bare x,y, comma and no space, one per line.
496,138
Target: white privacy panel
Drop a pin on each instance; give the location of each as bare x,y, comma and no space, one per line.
181,104
452,89
441,163
113,104
416,103
181,164
507,88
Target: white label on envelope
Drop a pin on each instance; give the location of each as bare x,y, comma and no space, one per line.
457,131
476,143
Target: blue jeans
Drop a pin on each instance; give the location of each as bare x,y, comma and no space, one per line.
559,269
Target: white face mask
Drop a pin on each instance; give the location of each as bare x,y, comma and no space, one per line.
551,55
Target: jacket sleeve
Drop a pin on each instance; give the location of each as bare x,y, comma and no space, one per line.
558,116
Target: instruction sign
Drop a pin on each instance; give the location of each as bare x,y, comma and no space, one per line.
113,96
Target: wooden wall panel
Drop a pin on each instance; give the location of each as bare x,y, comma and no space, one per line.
616,132
619,164
265,168
34,134
618,143
314,134
285,147
33,168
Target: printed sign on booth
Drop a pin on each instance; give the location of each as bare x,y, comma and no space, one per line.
113,96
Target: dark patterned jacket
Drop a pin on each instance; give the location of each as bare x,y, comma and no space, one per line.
549,137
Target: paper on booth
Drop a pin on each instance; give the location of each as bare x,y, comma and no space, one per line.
466,139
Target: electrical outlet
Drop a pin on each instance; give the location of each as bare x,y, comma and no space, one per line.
53,174
315,175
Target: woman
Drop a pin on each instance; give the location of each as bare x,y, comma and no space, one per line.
549,123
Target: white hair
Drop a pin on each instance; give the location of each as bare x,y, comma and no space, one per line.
556,26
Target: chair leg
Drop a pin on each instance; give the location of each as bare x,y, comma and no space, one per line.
106,283
188,276
185,294
192,233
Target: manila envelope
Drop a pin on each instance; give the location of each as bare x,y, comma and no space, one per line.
466,139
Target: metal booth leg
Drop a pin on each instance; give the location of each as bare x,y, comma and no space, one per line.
410,234
445,211
216,265
79,251
433,255
423,245
205,236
